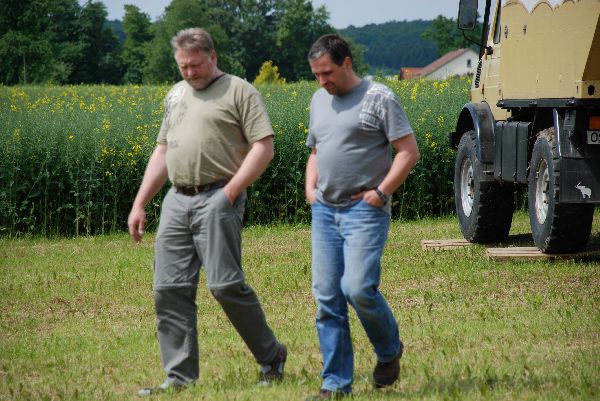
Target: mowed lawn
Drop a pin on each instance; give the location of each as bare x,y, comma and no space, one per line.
77,321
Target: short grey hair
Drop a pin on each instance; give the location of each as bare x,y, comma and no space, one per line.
193,39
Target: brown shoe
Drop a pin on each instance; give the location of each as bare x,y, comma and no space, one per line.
274,371
386,373
328,395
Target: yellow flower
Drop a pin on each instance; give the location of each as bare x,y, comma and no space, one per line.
413,95
440,121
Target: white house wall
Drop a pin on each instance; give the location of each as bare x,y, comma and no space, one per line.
458,66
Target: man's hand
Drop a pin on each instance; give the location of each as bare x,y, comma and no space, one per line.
370,197
230,194
310,196
310,184
136,223
256,161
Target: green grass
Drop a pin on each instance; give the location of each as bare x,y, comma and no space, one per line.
77,322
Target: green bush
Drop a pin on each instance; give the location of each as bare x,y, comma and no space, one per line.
72,158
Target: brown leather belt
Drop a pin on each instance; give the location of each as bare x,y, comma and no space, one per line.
194,190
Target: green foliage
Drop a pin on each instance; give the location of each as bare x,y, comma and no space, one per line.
26,51
445,34
100,61
298,28
137,29
63,42
393,45
268,74
78,321
72,158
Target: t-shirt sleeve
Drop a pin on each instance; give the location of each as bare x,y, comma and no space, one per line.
254,119
394,123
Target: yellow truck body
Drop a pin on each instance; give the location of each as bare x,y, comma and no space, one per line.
533,120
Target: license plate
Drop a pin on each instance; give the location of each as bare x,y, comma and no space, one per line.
593,137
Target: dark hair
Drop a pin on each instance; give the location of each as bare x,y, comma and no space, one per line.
193,39
332,44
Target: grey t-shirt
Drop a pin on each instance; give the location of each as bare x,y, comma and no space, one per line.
352,135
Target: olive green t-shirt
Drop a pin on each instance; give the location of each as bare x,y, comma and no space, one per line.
208,132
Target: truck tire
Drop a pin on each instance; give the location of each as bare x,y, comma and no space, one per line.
484,207
556,227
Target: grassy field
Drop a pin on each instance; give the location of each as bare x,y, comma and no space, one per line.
77,321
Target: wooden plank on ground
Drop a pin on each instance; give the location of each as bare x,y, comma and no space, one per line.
533,253
443,244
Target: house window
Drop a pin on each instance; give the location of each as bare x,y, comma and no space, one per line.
468,63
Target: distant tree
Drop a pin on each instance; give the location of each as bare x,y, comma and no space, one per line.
250,26
64,30
298,27
137,29
25,51
99,60
445,34
392,45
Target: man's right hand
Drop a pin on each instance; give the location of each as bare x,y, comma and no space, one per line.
310,196
136,223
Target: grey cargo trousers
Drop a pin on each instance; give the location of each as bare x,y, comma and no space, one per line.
194,231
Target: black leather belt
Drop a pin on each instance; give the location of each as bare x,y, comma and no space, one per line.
194,190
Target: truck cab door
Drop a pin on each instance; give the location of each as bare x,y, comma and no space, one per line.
491,83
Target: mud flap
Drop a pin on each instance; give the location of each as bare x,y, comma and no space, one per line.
579,181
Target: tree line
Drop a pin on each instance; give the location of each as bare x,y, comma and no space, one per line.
395,44
62,42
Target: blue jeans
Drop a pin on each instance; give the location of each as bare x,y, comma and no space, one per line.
347,244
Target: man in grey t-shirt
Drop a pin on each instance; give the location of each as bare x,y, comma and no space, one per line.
350,176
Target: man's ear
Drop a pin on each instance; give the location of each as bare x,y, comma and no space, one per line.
347,62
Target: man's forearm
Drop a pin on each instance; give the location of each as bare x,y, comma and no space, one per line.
311,172
254,164
155,177
406,157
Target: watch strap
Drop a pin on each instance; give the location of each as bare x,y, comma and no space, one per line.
381,195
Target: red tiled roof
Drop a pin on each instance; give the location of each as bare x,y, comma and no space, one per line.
409,72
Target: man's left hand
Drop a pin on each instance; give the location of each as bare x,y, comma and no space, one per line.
230,194
370,197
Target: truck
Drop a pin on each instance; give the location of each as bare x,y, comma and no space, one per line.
533,120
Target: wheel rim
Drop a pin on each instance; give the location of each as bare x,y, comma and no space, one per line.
467,192
541,191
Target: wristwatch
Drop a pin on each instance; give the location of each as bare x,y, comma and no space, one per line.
381,195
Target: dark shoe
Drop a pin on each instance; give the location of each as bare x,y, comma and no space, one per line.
386,373
274,371
167,387
328,395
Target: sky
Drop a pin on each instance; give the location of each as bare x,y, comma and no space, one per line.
342,13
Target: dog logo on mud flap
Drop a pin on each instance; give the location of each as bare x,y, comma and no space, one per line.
585,191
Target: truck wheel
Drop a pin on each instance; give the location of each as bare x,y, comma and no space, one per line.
484,208
556,227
